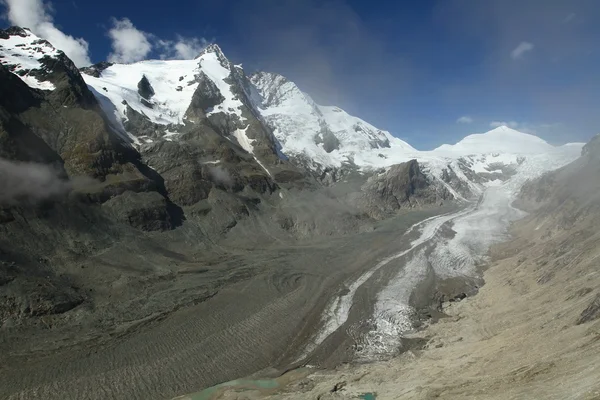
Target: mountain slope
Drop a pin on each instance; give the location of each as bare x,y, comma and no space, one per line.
325,136
148,210
530,333
187,116
499,140
272,120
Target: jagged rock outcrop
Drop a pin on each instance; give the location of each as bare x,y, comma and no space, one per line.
206,96
73,139
145,89
402,186
147,211
96,69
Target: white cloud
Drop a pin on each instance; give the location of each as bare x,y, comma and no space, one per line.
464,120
183,48
129,44
521,49
35,15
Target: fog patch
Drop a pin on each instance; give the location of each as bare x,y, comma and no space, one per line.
28,182
221,175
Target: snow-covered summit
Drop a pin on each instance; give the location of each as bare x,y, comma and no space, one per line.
174,83
214,48
23,53
499,140
326,135
160,100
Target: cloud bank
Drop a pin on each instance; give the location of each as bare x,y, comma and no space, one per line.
464,120
35,15
131,44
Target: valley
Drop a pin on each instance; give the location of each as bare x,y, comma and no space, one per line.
170,225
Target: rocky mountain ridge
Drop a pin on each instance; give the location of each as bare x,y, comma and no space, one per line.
132,192
272,120
199,145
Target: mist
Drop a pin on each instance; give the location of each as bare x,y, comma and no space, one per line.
30,182
222,176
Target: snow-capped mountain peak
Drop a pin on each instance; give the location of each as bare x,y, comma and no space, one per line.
26,55
214,48
161,99
499,140
325,135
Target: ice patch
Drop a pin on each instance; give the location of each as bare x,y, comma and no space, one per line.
243,140
248,144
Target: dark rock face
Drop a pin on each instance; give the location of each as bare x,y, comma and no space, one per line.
402,186
451,178
96,69
146,210
206,96
146,91
71,90
139,125
13,31
74,138
329,141
202,160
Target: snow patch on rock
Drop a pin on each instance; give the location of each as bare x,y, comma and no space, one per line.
21,52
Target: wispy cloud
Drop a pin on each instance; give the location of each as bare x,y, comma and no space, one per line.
129,44
521,49
182,48
35,15
464,120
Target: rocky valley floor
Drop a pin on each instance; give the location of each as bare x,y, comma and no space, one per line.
232,314
532,332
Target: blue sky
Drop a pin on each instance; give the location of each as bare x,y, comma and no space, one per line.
429,71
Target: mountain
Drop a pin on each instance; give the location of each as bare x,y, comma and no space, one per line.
133,193
322,137
182,120
499,140
531,332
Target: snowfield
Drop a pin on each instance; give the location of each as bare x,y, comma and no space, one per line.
22,55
